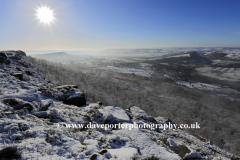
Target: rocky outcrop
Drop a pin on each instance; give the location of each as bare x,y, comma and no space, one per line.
3,57
16,54
75,97
77,101
69,94
24,64
20,53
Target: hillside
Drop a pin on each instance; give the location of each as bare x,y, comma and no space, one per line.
38,122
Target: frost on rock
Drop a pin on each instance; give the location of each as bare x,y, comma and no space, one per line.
45,104
66,93
113,115
13,116
26,95
171,142
192,155
136,114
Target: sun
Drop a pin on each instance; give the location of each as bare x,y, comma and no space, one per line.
45,15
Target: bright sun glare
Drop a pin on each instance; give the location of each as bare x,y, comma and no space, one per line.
45,15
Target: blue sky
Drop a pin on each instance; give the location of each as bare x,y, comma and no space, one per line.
103,24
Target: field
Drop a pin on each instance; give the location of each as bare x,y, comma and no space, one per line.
229,74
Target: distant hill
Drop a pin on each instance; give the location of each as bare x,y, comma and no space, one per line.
196,58
63,57
193,58
216,55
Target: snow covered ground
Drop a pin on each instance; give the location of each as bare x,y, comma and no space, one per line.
229,74
145,65
217,89
140,72
233,53
37,126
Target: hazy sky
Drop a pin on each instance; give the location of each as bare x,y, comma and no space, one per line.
102,24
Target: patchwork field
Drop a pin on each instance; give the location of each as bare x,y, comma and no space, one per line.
230,74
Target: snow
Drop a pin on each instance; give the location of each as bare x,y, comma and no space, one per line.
45,102
2,74
140,72
92,146
116,113
123,153
138,112
13,116
171,142
26,95
228,74
217,89
145,65
146,145
42,135
233,54
75,94
166,76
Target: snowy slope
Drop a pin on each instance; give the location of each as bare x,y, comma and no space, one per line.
140,72
233,53
37,126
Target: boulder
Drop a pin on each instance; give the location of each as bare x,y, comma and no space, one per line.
113,115
192,155
77,101
15,54
42,114
171,142
3,57
13,116
7,61
19,69
23,63
45,104
2,54
20,53
136,114
68,94
15,57
19,75
29,73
